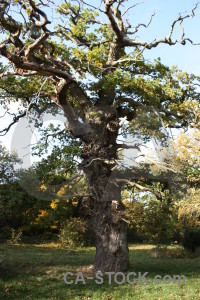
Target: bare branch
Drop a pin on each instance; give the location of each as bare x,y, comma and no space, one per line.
113,23
92,6
53,135
140,187
130,7
167,40
118,16
25,74
142,25
35,45
125,146
42,69
15,120
38,23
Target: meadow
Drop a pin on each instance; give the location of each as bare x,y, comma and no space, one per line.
36,271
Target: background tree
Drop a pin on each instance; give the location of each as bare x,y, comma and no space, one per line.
91,65
37,202
11,195
7,164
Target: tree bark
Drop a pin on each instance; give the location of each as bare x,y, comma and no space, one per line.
112,254
104,207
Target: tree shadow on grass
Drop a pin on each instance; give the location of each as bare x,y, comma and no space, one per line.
39,272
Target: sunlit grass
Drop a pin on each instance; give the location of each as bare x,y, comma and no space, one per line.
36,272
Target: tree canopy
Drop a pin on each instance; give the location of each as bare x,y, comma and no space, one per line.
87,60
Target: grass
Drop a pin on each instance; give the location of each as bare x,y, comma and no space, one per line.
36,272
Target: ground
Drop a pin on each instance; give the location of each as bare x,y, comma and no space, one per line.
36,272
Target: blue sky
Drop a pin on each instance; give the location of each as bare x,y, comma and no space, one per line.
187,57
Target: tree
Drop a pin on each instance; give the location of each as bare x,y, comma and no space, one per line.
12,197
83,65
7,164
187,145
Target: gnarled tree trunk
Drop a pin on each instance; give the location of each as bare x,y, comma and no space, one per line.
112,252
104,206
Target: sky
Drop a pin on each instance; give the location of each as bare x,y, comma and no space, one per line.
186,57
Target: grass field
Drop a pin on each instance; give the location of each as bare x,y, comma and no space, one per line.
36,272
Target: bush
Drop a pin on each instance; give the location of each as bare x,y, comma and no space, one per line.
191,240
152,221
164,251
16,236
72,233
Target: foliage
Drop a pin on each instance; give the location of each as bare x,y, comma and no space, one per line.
7,164
28,205
82,48
16,237
189,210
189,216
152,221
91,64
16,208
72,232
187,153
37,201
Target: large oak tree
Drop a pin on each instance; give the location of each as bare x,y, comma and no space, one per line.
88,61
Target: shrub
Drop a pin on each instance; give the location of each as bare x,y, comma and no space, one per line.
16,236
164,251
152,221
72,233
